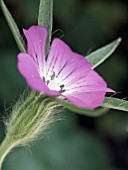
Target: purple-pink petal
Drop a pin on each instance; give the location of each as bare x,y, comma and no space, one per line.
89,100
36,40
87,92
82,85
66,64
30,72
110,90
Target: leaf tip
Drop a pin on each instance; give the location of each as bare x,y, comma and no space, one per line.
119,39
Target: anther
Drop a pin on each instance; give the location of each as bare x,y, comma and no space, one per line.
53,75
43,78
62,91
47,82
61,86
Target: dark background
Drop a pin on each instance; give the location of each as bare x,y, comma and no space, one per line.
74,142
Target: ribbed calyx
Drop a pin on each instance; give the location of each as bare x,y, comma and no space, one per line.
30,116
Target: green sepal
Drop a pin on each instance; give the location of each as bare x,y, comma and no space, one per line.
82,111
99,56
13,26
109,103
45,18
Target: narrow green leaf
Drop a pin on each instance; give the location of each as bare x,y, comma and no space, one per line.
99,56
109,103
92,113
114,103
13,27
45,19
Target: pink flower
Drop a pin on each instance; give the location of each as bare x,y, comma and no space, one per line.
64,74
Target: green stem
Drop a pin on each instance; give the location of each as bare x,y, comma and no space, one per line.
45,19
5,148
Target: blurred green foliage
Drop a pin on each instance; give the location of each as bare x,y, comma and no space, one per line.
75,142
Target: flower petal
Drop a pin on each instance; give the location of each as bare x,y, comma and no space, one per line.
29,70
89,82
110,90
87,92
88,100
36,40
66,64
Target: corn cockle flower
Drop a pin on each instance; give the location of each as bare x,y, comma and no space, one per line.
64,74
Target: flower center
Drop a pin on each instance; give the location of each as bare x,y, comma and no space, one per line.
52,84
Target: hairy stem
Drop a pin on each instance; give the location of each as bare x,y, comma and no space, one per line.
30,116
5,148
